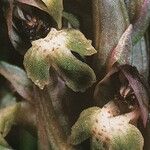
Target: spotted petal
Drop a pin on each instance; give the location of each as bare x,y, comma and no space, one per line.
108,129
82,128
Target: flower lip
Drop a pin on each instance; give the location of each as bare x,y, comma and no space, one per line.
127,85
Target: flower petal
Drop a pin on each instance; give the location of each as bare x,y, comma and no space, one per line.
129,138
54,50
140,89
82,128
106,130
76,74
55,9
35,3
37,65
76,41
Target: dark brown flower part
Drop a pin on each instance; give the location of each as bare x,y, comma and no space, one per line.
140,89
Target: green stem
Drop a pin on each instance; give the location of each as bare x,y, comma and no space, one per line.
51,135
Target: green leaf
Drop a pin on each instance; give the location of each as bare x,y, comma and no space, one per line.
18,79
55,50
108,129
55,9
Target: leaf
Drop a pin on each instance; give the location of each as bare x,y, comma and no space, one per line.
140,89
18,79
110,22
107,128
122,51
55,50
142,23
55,9
134,8
140,59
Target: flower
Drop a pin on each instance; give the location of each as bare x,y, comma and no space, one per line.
56,50
124,82
107,128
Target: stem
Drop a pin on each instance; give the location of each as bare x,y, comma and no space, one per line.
26,117
51,135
